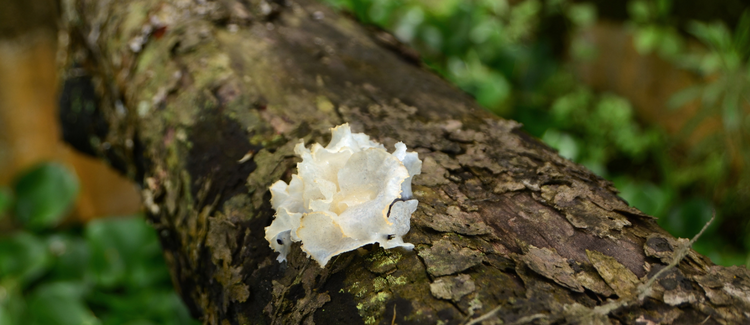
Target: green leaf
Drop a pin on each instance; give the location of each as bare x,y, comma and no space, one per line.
124,252
24,257
59,303
493,91
670,43
730,109
714,35
484,29
582,15
565,144
639,11
684,96
13,304
44,194
646,39
6,200
432,37
5,317
711,94
149,305
73,256
567,107
663,7
742,35
407,26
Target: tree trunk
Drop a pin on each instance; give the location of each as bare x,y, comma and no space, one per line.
203,101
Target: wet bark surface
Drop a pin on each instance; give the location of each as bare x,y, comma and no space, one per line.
204,102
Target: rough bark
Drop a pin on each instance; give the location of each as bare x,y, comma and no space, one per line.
204,101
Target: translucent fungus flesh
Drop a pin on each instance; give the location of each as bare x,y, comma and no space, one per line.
345,195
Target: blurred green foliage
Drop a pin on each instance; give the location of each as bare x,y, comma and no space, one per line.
724,64
43,195
720,163
506,56
110,271
6,199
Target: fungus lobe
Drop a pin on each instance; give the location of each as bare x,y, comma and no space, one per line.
345,195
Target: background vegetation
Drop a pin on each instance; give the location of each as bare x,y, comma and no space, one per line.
109,271
517,59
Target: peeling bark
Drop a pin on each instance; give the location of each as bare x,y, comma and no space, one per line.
204,102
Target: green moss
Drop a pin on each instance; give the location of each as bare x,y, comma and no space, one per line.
324,104
380,297
379,284
133,22
382,261
371,294
213,66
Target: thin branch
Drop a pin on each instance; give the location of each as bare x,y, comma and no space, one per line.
484,317
681,252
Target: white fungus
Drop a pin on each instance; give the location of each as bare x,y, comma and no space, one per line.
344,196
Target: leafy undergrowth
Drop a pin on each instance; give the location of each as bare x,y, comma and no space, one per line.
110,271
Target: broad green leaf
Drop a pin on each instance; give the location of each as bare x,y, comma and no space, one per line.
23,256
565,144
44,194
124,251
59,303
72,254
13,304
